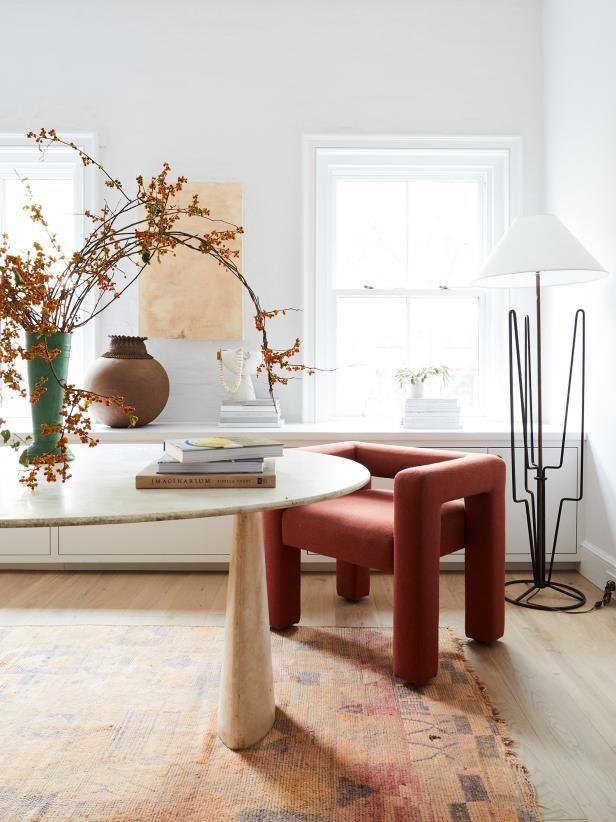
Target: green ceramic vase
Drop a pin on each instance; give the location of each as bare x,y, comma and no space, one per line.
47,409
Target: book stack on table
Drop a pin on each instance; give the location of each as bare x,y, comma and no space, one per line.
213,462
264,413
440,412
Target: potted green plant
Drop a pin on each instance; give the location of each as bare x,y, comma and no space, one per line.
417,378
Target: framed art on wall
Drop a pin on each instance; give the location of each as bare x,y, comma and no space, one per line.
188,295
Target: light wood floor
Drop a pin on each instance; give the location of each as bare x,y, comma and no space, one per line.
553,677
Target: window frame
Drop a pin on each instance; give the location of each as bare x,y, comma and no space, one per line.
497,160
17,150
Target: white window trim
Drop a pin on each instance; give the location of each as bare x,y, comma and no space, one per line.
500,157
16,149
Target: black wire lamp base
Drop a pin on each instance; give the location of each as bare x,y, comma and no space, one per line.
535,469
526,598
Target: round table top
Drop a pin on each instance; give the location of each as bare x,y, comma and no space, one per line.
102,489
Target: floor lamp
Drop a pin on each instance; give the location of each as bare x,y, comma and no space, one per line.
536,252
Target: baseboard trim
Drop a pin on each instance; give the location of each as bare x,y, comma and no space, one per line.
595,564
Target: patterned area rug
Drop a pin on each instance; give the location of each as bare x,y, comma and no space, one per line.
118,723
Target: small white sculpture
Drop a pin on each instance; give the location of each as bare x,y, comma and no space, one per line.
244,365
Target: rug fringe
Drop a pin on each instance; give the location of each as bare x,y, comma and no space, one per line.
509,744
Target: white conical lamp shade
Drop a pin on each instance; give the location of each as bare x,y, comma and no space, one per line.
539,244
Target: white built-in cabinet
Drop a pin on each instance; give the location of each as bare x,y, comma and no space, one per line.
191,540
206,542
27,543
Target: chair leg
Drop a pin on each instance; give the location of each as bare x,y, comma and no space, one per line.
484,567
283,572
416,599
352,581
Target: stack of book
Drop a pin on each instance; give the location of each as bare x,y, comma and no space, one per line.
440,412
213,462
263,413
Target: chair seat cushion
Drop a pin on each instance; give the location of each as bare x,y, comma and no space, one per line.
359,528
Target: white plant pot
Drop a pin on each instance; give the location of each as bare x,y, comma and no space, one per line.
417,390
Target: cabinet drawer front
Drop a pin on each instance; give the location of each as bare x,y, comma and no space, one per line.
24,542
188,537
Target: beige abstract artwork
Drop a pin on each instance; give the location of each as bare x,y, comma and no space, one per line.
190,296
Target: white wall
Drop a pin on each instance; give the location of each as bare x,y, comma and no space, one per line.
226,91
580,152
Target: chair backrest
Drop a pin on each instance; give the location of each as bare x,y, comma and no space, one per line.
385,460
388,460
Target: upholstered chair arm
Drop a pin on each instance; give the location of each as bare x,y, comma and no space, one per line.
419,494
458,475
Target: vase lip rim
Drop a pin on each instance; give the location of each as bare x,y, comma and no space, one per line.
38,334
126,347
127,337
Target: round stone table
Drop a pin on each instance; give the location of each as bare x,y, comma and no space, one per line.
102,490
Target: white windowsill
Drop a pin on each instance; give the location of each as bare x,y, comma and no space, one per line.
480,432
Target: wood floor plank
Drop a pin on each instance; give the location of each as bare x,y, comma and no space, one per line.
506,684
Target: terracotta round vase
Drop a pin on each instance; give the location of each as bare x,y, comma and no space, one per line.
129,371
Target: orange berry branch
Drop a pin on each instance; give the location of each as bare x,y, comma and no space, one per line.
43,290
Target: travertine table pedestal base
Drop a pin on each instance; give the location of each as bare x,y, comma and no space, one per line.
246,706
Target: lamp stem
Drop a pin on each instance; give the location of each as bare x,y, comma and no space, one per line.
540,552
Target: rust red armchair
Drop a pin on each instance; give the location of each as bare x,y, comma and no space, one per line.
442,501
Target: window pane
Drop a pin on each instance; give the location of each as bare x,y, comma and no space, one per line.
11,404
406,230
370,246
371,343
444,232
445,331
56,198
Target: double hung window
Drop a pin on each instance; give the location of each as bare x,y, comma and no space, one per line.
399,236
